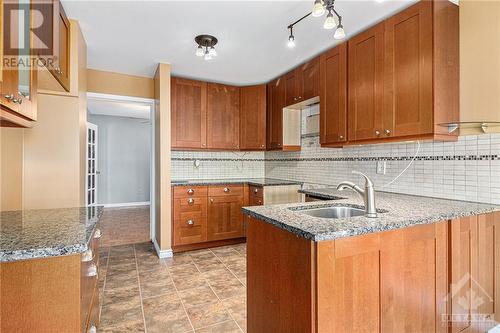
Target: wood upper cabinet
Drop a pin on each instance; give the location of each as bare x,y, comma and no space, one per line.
366,115
275,104
408,71
333,96
291,88
189,113
62,35
223,116
225,219
309,79
253,117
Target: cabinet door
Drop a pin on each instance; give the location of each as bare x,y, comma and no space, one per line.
225,219
463,279
291,88
62,34
408,71
223,111
253,118
366,80
275,114
189,114
309,80
333,96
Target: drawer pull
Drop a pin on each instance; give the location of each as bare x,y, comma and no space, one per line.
87,256
190,201
92,270
97,233
211,200
256,190
190,222
226,189
93,329
190,191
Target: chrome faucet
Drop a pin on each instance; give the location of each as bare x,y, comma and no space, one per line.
368,194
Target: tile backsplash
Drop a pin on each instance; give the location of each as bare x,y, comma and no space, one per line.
468,169
218,165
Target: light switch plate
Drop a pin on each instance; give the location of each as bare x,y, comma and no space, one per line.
381,167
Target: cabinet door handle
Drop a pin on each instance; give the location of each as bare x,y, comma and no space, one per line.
9,97
93,329
256,190
226,190
211,200
190,201
97,233
341,137
387,132
92,270
377,132
260,202
190,222
190,191
87,256
58,70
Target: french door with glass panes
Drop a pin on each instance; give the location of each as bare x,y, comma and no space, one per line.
92,172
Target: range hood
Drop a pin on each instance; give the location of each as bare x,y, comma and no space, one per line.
479,68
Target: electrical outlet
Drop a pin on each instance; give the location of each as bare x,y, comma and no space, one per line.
381,167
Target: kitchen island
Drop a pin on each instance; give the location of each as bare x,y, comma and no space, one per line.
49,265
411,269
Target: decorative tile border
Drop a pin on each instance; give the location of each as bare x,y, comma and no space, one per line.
349,159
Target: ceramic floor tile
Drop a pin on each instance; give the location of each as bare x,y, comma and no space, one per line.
238,309
228,288
206,315
198,296
155,283
166,314
225,251
120,315
178,259
183,282
125,225
226,327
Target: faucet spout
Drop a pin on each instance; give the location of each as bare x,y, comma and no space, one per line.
368,193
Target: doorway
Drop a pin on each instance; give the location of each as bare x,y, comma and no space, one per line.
120,164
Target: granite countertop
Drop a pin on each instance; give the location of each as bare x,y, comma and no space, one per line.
30,234
249,181
400,211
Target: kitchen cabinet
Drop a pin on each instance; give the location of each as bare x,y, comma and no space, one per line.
333,96
292,88
253,117
223,116
366,116
207,216
189,113
309,79
61,68
403,76
276,102
19,85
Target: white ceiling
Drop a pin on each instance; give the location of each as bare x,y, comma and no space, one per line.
134,36
118,109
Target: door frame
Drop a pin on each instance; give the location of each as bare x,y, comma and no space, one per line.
95,128
151,103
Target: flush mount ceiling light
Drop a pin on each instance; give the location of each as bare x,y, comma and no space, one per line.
321,7
206,46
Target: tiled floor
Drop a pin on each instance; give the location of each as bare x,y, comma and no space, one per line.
200,291
125,225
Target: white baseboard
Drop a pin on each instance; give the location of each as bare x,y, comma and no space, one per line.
126,204
162,253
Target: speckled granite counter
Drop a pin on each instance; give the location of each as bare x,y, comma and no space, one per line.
31,234
249,181
401,211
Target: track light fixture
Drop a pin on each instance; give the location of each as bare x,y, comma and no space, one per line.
320,7
206,46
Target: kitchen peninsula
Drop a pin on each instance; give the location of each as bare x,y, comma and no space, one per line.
408,270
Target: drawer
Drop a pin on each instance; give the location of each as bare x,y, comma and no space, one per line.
94,319
190,228
256,191
190,191
225,190
185,205
255,201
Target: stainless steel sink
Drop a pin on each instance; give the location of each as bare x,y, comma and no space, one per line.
335,212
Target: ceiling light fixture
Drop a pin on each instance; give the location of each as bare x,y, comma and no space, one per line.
206,46
319,8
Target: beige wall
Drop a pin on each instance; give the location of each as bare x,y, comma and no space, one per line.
163,194
120,84
11,168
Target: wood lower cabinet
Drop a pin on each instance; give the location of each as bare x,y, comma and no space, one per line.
441,277
333,96
223,116
207,216
189,113
53,294
225,219
253,117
